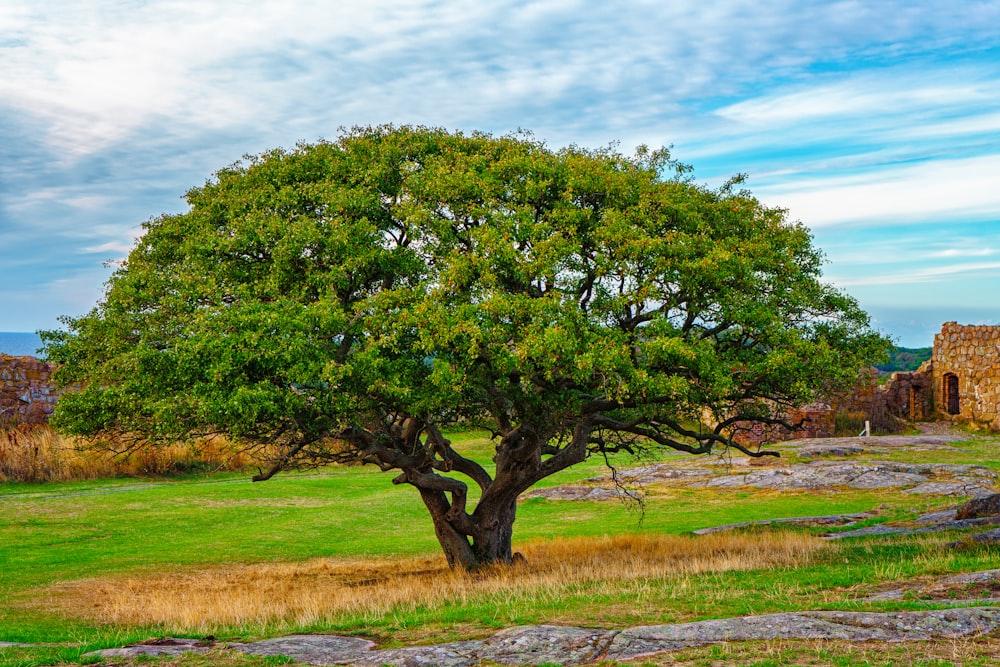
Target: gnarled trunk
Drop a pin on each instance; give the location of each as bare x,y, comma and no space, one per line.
491,531
491,541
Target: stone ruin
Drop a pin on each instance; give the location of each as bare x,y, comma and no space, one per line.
27,393
960,383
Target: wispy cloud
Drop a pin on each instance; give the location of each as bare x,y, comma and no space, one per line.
930,191
921,274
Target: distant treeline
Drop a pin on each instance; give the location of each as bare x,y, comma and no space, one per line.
905,359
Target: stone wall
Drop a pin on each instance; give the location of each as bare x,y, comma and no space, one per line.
27,394
815,421
908,395
965,374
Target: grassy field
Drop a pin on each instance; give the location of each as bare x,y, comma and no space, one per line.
86,565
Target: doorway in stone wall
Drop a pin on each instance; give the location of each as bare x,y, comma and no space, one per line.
951,397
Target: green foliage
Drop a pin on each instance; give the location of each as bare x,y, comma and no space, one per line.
905,359
352,298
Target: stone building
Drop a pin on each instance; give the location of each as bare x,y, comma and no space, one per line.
960,382
962,379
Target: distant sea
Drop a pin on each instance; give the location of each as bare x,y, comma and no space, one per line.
19,344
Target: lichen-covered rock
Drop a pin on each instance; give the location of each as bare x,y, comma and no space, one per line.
557,645
455,654
848,626
546,644
573,492
312,649
166,646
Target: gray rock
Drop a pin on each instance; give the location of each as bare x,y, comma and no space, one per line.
881,529
545,644
989,537
658,473
455,654
923,441
167,646
850,626
895,594
12,644
832,450
960,488
861,475
936,517
828,520
981,577
918,625
878,529
312,649
571,492
985,506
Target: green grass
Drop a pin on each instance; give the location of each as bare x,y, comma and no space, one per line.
62,532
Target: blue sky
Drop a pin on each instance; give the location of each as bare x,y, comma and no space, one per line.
875,123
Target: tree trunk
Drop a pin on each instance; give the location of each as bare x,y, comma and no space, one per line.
492,532
491,542
455,545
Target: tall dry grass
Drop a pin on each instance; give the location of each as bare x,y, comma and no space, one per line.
298,594
31,453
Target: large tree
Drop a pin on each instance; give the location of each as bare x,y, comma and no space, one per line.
352,299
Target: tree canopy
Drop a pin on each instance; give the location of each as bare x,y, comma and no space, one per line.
352,299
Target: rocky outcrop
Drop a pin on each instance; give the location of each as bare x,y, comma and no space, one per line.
979,507
558,645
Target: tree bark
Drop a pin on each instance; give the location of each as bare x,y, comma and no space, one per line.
491,541
455,545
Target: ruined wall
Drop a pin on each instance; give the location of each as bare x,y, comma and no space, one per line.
27,394
815,420
965,374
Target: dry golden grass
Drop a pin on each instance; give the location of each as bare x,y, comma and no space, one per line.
298,594
38,454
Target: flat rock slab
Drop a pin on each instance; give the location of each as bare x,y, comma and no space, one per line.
943,590
849,626
12,644
826,520
313,649
989,537
546,644
961,488
981,577
558,645
868,475
169,646
924,440
455,654
573,492
835,450
881,529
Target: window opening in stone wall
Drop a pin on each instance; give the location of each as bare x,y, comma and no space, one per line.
951,394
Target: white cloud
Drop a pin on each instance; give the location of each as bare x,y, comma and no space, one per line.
933,191
117,247
963,252
920,275
870,96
